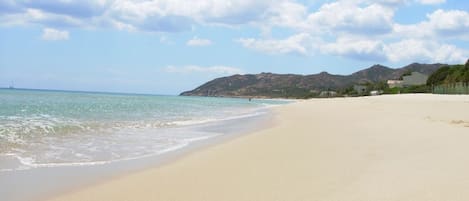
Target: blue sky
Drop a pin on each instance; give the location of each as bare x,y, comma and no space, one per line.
169,46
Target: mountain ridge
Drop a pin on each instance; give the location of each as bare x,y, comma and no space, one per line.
271,85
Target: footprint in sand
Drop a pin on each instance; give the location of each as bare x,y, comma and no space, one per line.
459,122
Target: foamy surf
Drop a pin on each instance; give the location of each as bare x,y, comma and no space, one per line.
40,129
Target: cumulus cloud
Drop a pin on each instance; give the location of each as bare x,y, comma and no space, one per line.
195,41
366,30
391,3
358,29
73,8
408,50
362,49
39,17
221,70
431,2
453,22
296,44
54,34
286,14
170,23
440,24
425,51
154,15
349,17
229,12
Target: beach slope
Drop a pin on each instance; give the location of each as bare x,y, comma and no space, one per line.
400,147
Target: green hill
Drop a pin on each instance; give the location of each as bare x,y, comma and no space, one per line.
450,75
271,85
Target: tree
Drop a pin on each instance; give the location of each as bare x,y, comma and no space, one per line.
439,76
466,76
406,73
450,75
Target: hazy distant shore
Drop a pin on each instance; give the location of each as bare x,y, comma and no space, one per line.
402,147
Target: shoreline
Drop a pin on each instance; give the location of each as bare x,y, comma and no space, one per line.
14,183
401,147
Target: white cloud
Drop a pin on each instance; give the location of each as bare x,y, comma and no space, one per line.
439,25
389,2
431,2
154,15
286,14
362,49
72,8
195,41
35,16
350,18
365,30
54,34
221,70
176,15
358,29
408,50
299,44
425,51
449,22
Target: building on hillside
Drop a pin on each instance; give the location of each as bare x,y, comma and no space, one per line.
328,94
376,92
414,79
395,83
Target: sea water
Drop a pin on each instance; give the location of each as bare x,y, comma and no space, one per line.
41,128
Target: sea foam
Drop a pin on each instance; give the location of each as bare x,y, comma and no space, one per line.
50,128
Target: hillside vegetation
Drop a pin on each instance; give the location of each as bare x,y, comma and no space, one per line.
269,85
450,75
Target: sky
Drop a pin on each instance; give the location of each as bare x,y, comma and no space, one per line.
170,46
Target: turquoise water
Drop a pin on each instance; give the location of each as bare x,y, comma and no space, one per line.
58,128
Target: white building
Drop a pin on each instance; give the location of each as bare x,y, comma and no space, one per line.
395,83
413,79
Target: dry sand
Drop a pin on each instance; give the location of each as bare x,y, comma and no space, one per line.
401,147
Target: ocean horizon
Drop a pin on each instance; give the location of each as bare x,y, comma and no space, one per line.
84,91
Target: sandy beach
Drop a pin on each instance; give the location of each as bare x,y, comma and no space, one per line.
399,147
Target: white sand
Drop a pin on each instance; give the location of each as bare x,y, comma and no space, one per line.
401,147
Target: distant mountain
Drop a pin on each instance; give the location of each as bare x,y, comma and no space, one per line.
379,73
291,85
